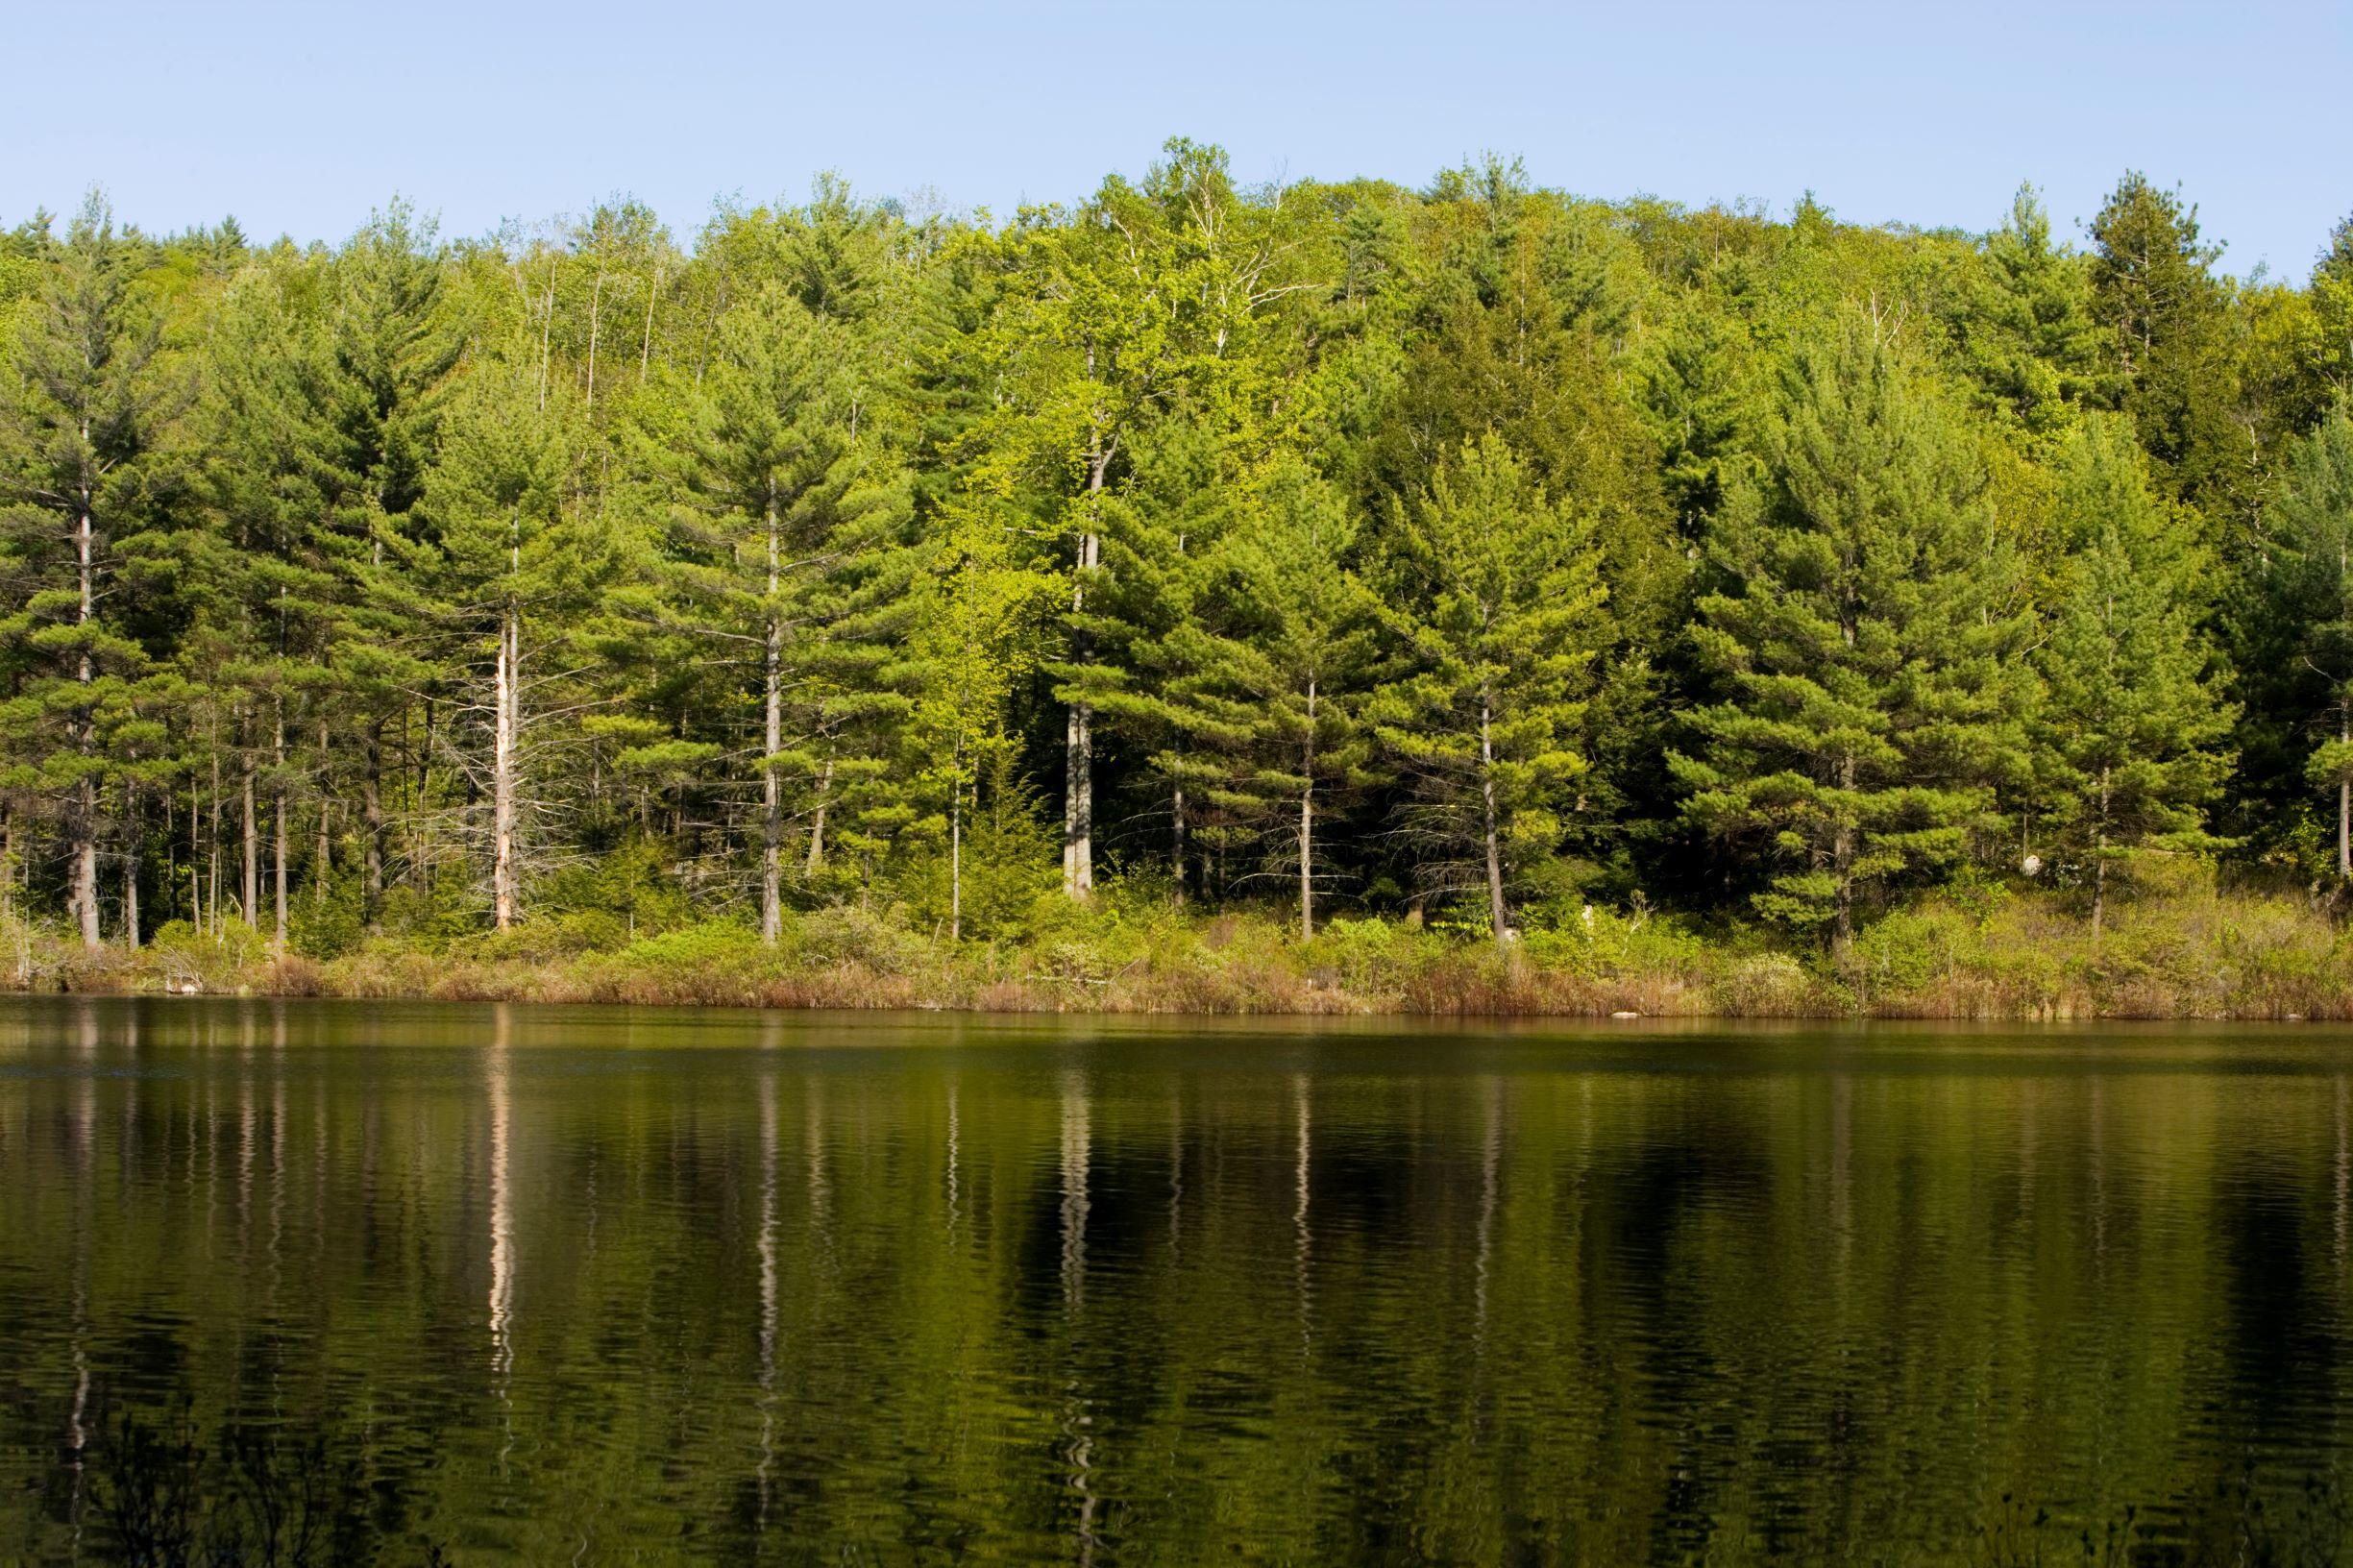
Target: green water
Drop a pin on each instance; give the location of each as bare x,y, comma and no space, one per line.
606,1286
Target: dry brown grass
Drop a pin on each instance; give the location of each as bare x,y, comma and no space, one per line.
2194,953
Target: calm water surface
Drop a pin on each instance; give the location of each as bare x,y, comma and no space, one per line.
561,1285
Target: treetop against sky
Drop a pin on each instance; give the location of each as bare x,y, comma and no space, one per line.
300,119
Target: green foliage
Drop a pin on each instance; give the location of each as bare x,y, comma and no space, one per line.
1501,612
1477,554
2133,722
1866,628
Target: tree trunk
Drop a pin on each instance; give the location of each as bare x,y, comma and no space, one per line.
323,864
1496,912
131,869
278,830
251,908
85,862
771,791
2100,888
1078,756
2099,860
816,825
371,827
1179,847
212,847
85,728
2344,805
596,314
645,349
197,913
1307,831
1078,804
955,855
1842,867
502,775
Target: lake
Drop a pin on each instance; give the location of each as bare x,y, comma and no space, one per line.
425,1282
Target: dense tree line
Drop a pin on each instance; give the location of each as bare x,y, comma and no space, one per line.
1475,551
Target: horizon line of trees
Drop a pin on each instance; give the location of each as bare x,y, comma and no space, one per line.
1476,549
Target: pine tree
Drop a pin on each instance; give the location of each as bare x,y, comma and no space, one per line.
394,339
976,620
1865,630
2132,718
2027,334
1499,605
2171,359
81,419
775,550
2311,528
278,586
512,563
1269,723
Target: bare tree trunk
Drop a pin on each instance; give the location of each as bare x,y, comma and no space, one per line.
1178,814
2344,803
1496,913
503,776
645,347
198,914
322,865
212,847
817,827
85,730
772,789
1078,805
130,868
955,852
547,327
371,827
1842,867
2100,861
278,830
251,908
1078,758
596,296
423,862
1307,828
85,862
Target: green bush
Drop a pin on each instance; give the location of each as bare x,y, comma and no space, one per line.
708,944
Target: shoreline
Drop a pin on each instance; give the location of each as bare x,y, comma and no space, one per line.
2204,956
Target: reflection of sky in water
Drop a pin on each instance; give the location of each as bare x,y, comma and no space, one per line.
561,1283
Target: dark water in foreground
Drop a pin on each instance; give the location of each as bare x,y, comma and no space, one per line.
602,1285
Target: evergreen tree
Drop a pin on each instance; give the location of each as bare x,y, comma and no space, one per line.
786,511
280,586
2174,372
2132,717
2310,527
508,568
81,419
2027,334
1500,610
978,617
394,339
1269,722
1865,629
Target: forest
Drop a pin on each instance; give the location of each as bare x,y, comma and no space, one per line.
1325,576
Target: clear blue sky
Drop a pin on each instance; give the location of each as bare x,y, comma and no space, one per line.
301,117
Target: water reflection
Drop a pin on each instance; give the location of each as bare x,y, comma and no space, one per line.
557,1286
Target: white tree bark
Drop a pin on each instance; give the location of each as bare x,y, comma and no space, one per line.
502,773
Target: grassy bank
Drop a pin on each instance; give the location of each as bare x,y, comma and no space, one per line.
2193,954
